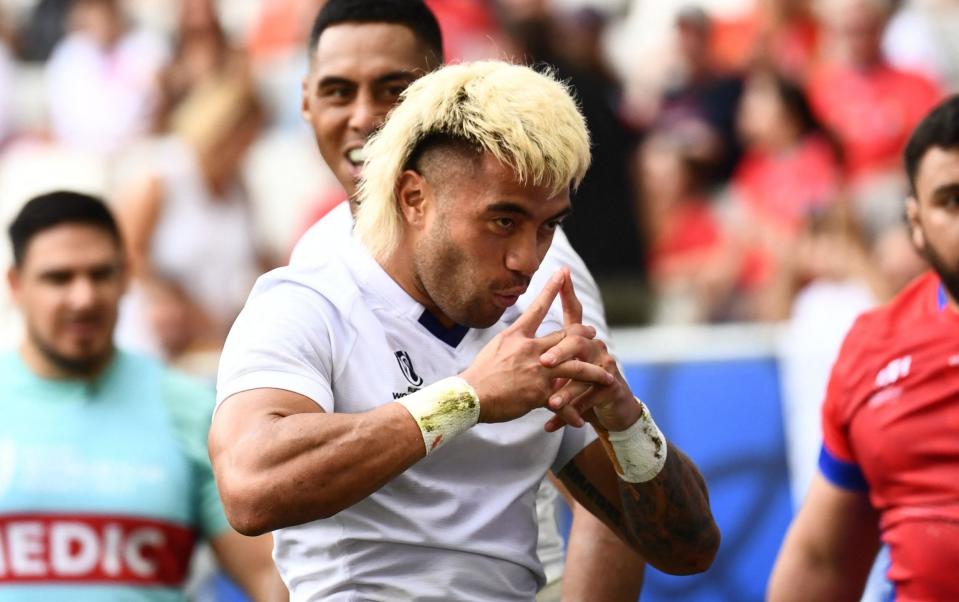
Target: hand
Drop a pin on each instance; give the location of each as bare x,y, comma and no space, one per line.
509,378
609,406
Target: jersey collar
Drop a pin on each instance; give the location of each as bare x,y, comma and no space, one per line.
452,336
374,279
941,298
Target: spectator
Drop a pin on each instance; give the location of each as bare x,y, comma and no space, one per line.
790,170
111,483
201,53
686,259
702,96
870,105
189,222
101,79
783,33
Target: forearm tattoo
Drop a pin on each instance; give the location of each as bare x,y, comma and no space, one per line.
667,517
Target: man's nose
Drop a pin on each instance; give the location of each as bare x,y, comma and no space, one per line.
366,115
523,256
83,293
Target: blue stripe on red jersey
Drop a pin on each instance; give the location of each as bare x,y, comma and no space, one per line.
942,297
841,473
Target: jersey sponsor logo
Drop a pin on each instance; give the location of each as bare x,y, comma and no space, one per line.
406,366
894,371
44,548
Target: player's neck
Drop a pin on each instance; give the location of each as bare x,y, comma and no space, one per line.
400,268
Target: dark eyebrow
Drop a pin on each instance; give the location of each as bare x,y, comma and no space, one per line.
402,75
335,80
507,207
950,188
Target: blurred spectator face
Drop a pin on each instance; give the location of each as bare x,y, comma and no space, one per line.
934,214
197,15
100,19
858,25
68,288
693,31
763,118
663,172
357,73
170,317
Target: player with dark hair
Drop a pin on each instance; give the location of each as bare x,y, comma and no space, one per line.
363,54
106,483
890,454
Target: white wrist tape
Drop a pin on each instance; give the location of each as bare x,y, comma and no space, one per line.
443,410
640,449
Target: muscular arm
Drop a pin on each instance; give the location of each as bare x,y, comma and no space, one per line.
599,565
280,460
248,561
829,548
666,520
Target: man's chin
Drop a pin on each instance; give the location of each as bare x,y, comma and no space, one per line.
79,362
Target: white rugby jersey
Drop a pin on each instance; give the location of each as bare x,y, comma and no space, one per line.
458,525
333,231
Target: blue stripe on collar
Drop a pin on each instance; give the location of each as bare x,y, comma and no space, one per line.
942,297
452,336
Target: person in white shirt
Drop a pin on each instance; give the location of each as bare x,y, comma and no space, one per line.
363,54
101,79
388,412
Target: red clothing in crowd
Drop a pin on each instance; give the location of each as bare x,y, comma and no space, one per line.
781,189
872,111
689,235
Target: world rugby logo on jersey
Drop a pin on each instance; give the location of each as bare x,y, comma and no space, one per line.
894,371
406,365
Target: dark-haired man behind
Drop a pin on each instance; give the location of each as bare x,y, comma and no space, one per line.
363,54
890,455
105,483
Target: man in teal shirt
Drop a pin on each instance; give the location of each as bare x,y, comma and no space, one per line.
105,482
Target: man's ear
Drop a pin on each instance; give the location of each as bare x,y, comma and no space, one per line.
412,194
13,282
916,234
304,98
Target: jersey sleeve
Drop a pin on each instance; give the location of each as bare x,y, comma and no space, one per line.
190,405
575,440
836,459
281,340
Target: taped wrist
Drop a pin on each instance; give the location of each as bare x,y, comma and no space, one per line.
443,410
638,452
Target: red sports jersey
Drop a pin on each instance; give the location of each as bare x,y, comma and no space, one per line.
891,428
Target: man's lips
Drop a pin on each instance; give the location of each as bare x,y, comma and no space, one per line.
508,297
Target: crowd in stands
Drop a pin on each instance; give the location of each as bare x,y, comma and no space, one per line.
751,155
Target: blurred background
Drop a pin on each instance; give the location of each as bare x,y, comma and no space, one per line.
745,201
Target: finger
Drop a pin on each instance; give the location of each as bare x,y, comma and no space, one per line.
568,415
552,339
537,310
570,347
558,421
567,395
582,371
572,308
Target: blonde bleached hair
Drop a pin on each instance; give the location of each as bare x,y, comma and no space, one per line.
526,120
